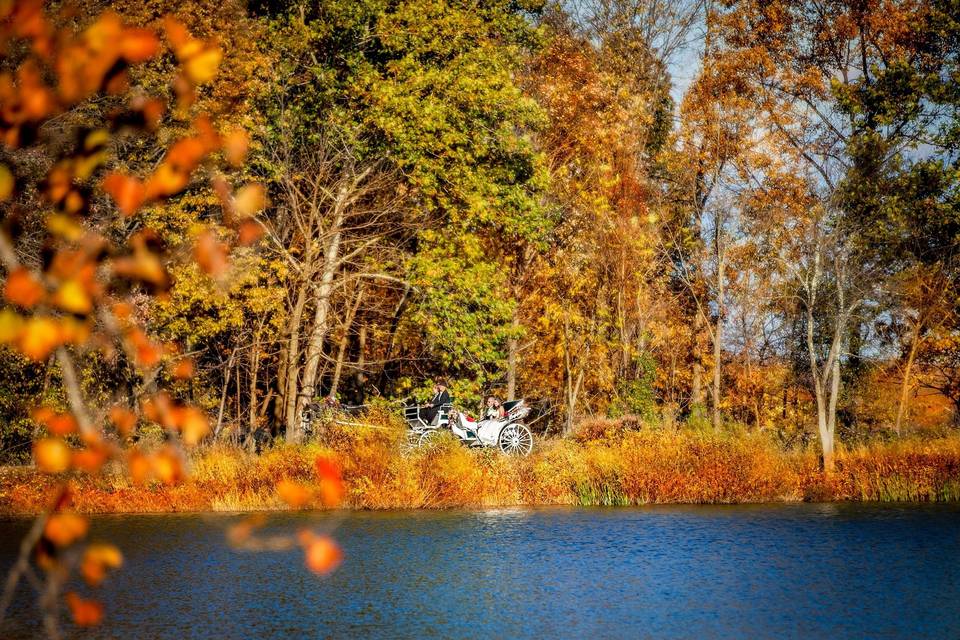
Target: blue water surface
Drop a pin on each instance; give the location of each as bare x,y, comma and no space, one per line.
762,571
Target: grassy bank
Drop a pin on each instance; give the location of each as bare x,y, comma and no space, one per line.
612,467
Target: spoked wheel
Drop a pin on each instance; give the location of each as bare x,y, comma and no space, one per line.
411,440
429,439
516,440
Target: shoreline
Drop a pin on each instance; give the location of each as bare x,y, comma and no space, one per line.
631,469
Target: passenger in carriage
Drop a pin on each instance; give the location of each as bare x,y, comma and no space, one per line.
431,410
495,409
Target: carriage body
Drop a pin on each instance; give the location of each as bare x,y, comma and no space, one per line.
509,434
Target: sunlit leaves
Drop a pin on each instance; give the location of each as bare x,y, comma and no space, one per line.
200,59
164,465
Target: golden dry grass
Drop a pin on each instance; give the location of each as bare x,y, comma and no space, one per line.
612,463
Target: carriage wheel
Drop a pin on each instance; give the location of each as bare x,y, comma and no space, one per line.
516,440
411,440
428,439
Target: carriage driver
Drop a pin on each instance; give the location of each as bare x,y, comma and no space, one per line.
431,410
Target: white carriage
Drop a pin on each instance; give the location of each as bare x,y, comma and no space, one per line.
508,434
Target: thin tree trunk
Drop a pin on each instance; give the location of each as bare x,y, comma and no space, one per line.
905,385
321,317
291,390
512,348
223,394
254,368
717,342
696,382
344,339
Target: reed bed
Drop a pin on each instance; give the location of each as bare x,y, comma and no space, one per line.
608,462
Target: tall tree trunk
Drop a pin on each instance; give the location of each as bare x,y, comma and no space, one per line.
290,388
905,385
321,316
344,340
715,387
717,338
223,394
254,369
696,383
512,348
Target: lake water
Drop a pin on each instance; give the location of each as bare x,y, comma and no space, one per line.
770,571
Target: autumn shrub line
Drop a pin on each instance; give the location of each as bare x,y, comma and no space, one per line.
606,465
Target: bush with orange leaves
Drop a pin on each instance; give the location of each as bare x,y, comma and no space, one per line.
66,282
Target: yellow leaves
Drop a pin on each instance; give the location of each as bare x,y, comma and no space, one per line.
164,465
23,288
199,59
63,529
97,559
201,66
52,455
7,183
249,200
85,613
72,296
235,147
39,337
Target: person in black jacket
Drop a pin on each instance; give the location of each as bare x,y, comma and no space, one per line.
431,410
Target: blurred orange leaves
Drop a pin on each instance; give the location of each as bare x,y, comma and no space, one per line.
85,613
97,559
63,529
52,455
322,554
23,288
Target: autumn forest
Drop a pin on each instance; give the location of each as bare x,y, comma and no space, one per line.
713,244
